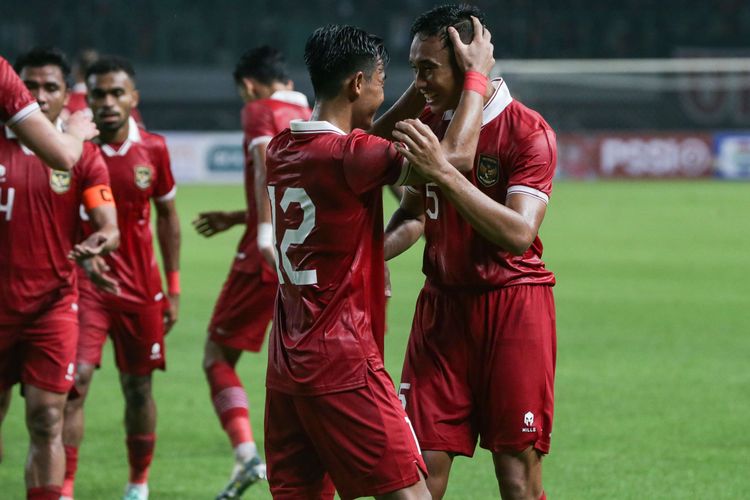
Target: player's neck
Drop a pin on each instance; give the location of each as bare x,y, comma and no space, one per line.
116,136
334,112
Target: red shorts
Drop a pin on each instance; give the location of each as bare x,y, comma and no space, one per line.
40,350
360,438
138,335
482,364
243,311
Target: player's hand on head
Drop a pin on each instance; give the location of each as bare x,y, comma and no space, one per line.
420,147
477,55
211,223
96,269
171,312
80,125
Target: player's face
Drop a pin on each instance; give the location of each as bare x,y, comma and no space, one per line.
47,85
370,99
111,97
435,74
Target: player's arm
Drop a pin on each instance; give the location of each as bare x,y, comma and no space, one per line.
211,223
263,204
59,150
100,208
512,226
168,234
406,224
475,60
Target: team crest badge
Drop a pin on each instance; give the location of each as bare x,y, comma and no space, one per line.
488,172
59,181
143,176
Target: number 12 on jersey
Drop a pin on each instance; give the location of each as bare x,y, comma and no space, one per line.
293,236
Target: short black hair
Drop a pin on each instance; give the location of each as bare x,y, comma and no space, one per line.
334,52
265,64
435,22
110,64
44,56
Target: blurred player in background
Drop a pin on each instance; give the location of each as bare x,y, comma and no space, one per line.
331,410
77,101
133,310
19,112
245,306
484,326
39,222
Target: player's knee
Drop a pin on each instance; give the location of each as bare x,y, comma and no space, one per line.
83,381
44,423
137,391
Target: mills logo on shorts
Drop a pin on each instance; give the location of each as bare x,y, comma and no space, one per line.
143,176
59,181
528,422
155,351
488,170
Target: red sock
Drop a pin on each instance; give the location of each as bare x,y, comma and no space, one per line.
544,496
48,492
140,454
230,402
71,466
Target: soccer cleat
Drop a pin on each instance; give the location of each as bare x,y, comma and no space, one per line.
252,471
135,492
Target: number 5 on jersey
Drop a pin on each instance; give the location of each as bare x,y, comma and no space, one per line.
293,236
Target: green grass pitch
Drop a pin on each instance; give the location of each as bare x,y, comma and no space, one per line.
653,381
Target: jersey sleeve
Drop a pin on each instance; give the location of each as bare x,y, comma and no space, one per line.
258,124
534,166
370,162
16,102
165,188
92,167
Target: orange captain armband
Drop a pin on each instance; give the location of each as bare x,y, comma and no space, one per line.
98,195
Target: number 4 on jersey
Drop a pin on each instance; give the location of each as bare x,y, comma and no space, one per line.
293,236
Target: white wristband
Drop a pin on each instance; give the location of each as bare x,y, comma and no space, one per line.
265,235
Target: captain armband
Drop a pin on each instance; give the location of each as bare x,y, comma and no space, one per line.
97,196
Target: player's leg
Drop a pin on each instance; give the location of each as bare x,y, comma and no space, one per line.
239,323
45,466
5,397
519,475
94,322
138,338
140,429
518,379
73,425
437,363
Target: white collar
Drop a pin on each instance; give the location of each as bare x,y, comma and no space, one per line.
500,100
291,97
12,135
134,135
79,87
314,127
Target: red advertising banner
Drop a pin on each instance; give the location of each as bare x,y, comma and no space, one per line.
635,155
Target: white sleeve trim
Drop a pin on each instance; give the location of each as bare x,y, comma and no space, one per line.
169,196
24,113
406,169
412,190
263,139
529,191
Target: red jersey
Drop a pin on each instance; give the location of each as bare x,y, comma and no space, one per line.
516,153
261,121
139,170
16,102
39,224
327,206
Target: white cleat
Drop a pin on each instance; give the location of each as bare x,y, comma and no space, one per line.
136,492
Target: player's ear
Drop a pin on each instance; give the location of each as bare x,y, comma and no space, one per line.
249,85
67,96
354,87
136,98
